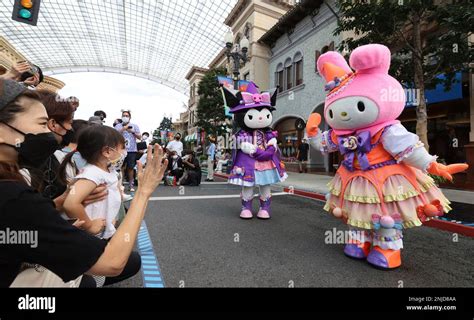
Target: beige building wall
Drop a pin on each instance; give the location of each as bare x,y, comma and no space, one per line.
194,77
10,56
253,18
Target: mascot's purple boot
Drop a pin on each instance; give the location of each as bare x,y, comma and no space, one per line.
264,212
246,212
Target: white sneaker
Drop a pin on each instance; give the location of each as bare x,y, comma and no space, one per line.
127,197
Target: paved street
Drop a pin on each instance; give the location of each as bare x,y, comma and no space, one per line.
200,241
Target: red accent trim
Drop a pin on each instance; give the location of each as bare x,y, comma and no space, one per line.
434,223
451,227
307,194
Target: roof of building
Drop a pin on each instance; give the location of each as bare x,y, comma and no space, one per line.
290,19
195,69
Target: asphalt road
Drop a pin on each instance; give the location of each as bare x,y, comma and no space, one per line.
203,243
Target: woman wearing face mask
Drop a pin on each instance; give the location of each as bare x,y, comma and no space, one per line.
64,249
60,123
61,115
175,165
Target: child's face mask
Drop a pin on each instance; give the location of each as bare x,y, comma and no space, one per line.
118,162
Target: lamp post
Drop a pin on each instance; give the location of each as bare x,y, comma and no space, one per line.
239,57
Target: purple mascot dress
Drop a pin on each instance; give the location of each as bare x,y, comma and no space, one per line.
256,157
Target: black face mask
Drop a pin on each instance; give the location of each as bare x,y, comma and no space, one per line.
67,138
36,149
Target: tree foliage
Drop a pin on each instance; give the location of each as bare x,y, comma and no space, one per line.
210,110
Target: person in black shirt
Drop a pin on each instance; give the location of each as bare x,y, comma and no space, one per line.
192,176
302,155
61,247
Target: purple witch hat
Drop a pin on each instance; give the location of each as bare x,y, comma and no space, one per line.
239,101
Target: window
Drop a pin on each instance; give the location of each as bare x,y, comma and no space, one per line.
298,69
329,47
279,78
289,74
317,54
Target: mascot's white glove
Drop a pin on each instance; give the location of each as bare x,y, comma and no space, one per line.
248,148
273,142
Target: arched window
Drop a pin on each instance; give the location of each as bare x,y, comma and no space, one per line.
289,74
279,80
298,62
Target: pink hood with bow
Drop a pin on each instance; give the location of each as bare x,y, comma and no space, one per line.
370,79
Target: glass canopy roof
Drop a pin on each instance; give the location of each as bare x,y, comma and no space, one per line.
155,39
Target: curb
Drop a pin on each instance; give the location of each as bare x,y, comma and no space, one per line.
435,223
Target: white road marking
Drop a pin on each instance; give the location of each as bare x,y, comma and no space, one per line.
225,196
213,183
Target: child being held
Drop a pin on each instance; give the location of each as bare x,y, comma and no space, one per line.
104,150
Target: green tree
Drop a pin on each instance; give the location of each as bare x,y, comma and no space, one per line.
210,110
166,124
426,40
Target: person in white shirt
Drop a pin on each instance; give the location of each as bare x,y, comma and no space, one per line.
104,149
176,145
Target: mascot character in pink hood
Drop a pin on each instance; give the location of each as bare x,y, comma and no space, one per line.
381,186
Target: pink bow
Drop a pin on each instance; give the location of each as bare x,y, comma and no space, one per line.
250,98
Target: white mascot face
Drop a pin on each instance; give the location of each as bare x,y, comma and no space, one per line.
352,113
255,119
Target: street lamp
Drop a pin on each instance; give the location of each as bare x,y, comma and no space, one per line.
236,55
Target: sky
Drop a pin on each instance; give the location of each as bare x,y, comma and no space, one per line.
148,101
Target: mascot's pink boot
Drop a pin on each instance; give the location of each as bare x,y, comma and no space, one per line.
246,212
264,212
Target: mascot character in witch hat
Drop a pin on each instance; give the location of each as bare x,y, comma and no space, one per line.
256,157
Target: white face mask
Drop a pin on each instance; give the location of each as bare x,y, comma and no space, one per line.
118,163
125,119
145,137
175,157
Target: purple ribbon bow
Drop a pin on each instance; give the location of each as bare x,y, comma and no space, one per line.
349,146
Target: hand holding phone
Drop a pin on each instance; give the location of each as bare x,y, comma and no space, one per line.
33,70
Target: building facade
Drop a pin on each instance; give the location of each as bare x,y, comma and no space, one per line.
249,18
296,42
193,133
252,19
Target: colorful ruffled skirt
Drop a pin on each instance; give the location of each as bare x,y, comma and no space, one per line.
387,190
265,173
